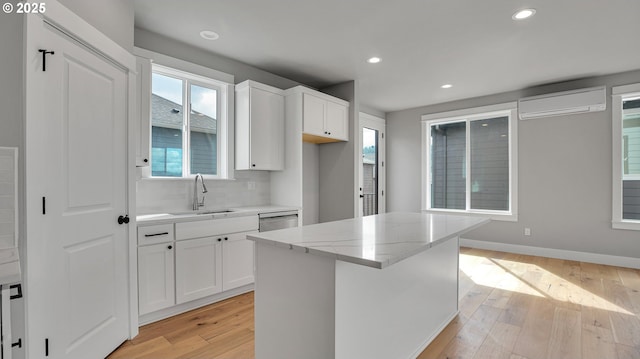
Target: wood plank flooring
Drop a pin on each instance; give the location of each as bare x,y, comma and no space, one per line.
511,306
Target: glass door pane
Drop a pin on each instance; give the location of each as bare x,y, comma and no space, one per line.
203,130
448,166
167,120
631,159
369,171
489,141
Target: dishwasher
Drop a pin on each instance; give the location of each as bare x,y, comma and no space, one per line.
277,220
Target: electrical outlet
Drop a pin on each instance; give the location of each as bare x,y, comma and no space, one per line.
527,231
251,185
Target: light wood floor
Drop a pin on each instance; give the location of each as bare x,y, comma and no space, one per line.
511,306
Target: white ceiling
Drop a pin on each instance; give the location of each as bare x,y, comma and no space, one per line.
472,44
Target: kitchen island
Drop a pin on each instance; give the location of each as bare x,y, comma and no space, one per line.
380,286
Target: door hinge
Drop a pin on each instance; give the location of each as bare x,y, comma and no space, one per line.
382,164
382,134
18,288
44,205
44,57
382,194
46,347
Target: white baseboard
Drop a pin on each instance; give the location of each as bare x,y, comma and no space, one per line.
628,262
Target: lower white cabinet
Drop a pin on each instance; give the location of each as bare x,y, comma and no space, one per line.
238,261
198,268
202,259
156,279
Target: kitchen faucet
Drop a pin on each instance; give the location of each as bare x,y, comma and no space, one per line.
196,203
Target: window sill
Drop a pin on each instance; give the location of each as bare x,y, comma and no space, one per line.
628,225
506,217
207,178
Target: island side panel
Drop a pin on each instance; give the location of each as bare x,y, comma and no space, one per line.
294,304
397,311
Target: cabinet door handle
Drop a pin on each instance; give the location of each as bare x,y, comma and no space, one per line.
226,238
219,239
156,234
145,160
169,247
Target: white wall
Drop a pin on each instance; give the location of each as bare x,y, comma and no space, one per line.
564,174
310,183
12,133
337,170
250,188
113,18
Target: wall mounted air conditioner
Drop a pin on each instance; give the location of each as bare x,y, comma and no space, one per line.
563,103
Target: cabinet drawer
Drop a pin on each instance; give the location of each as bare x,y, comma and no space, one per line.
155,234
215,227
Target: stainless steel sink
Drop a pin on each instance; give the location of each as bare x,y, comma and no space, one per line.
216,211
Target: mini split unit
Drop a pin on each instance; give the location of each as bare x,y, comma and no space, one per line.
563,103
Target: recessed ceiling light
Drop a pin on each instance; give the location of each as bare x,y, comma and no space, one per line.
446,86
523,14
374,60
209,35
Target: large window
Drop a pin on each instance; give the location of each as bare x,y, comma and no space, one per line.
626,156
469,163
187,124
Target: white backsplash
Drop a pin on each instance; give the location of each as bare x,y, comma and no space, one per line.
250,188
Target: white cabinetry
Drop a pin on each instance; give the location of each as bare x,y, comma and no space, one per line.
198,268
185,265
324,118
238,263
337,121
155,277
259,127
142,115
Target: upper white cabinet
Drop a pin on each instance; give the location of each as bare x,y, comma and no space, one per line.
324,118
259,127
142,110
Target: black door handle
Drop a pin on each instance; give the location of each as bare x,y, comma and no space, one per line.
361,196
123,219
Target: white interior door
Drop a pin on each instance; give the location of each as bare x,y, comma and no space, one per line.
85,249
372,179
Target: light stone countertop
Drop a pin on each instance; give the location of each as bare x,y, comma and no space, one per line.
375,241
188,216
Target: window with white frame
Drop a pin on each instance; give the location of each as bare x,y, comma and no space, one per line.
470,161
188,124
626,156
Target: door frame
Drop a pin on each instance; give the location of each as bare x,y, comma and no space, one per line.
379,124
77,29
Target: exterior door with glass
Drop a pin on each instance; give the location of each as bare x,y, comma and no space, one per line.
372,165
